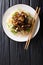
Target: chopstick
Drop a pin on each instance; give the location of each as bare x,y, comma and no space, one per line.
33,27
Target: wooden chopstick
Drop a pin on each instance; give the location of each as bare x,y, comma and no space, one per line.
33,28
27,42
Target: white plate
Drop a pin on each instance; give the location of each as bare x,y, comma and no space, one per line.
8,14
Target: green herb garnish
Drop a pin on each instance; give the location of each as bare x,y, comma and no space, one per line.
13,31
28,30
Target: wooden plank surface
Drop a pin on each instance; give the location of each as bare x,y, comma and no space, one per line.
12,52
36,43
4,39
